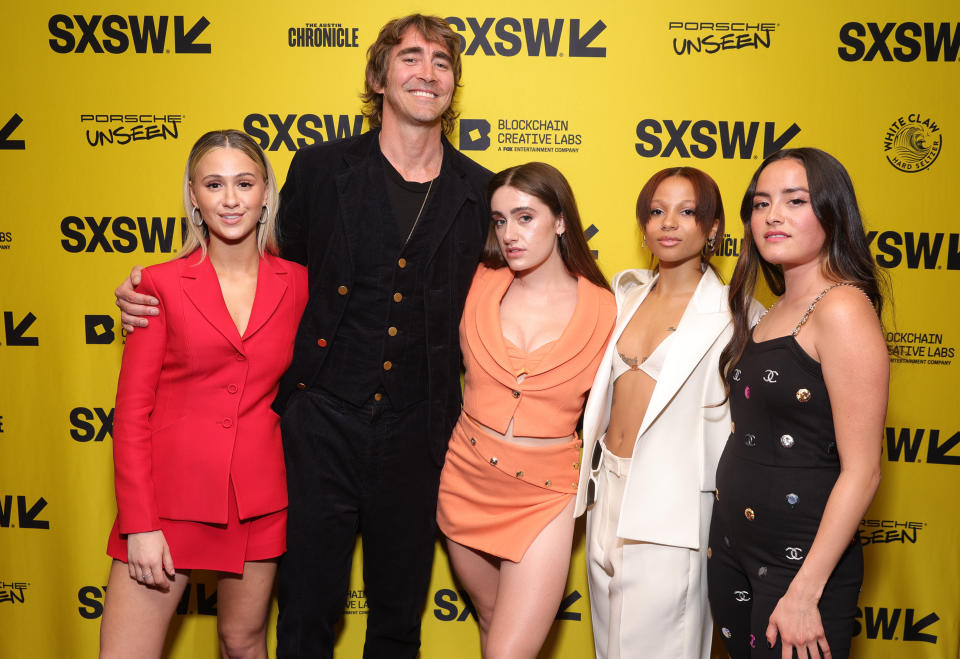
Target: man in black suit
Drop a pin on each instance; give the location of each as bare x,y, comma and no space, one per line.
390,225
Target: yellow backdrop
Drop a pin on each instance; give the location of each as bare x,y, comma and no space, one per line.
99,109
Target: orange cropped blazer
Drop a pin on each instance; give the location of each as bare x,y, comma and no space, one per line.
549,401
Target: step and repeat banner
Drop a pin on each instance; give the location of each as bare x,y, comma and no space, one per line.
101,102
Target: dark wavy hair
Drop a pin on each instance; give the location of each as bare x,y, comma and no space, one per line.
434,29
547,184
709,204
846,254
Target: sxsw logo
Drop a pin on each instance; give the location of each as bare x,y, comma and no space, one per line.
906,443
98,329
883,623
5,142
511,36
916,250
703,138
15,331
117,33
26,516
456,605
194,600
474,134
940,42
274,131
91,424
122,234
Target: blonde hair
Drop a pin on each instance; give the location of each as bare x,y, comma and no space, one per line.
230,139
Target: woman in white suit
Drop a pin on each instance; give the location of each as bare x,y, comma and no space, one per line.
653,431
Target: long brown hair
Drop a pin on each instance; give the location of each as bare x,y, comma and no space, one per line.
846,254
434,29
709,204
547,184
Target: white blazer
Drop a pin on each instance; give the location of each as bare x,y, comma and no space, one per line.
681,436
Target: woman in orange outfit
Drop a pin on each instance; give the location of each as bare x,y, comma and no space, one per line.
534,328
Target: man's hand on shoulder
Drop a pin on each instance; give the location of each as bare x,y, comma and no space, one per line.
134,306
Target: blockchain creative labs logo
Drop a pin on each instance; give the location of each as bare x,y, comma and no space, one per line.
102,129
356,602
6,143
98,329
323,35
920,347
709,37
13,591
528,135
912,142
889,531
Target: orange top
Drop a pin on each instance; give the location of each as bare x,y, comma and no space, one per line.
549,400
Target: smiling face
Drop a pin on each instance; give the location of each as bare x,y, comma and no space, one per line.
230,190
419,83
526,229
671,229
783,224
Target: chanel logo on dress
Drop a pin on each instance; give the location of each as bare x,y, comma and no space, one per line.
741,595
736,375
770,375
794,553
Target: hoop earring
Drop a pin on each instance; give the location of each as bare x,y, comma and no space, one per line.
194,218
264,214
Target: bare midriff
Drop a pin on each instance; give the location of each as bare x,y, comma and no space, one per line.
631,397
523,441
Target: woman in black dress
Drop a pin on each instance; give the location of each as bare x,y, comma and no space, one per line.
808,393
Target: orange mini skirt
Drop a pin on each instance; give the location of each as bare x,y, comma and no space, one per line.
223,547
496,496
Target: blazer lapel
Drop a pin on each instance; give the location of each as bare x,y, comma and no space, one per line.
702,322
359,194
271,286
202,288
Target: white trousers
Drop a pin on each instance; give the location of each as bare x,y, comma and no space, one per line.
647,601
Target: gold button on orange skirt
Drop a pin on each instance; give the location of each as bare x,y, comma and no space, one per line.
496,496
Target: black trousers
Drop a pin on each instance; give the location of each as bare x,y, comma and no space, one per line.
352,470
747,579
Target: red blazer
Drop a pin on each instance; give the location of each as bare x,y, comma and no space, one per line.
193,400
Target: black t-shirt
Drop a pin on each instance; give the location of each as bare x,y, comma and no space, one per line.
406,199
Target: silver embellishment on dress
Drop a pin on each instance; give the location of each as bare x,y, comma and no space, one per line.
741,595
770,375
736,375
792,499
750,440
786,441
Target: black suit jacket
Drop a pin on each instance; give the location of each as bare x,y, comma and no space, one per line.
327,189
